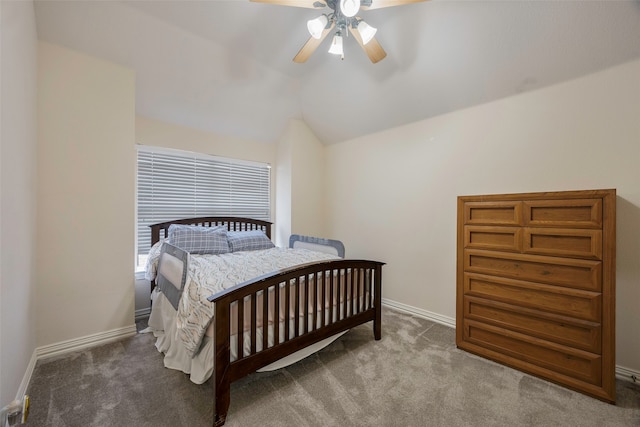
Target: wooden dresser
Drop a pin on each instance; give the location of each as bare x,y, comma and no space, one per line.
536,285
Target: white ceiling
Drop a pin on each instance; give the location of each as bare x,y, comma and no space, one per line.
226,66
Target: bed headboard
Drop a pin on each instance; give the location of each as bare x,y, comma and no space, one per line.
233,224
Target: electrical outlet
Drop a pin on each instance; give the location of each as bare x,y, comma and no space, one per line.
25,408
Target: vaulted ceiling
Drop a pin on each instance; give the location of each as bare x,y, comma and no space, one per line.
226,66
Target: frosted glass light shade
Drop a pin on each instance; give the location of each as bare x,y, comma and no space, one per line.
316,26
349,8
366,32
336,45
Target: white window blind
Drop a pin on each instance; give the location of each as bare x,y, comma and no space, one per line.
174,185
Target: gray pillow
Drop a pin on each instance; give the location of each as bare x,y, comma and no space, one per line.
199,240
253,240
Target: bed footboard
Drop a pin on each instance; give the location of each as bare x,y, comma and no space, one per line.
290,309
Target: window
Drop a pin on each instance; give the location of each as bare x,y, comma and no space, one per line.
177,184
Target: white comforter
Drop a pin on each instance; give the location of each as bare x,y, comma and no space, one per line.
210,274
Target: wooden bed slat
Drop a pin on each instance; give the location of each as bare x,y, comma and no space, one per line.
354,301
305,324
240,346
324,301
369,290
296,309
253,323
331,296
314,323
345,302
276,315
287,304
265,319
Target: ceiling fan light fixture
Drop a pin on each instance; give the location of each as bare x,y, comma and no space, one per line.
349,8
336,45
366,31
316,26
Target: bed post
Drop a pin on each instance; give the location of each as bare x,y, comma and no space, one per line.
221,362
377,295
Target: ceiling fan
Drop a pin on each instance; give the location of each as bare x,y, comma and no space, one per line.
343,17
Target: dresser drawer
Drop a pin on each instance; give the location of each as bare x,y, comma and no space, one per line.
571,362
573,273
493,238
586,305
576,333
493,213
579,243
578,213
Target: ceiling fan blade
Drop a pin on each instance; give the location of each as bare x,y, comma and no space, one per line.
374,51
310,4
311,45
379,4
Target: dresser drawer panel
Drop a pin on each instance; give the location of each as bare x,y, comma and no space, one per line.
493,238
574,333
578,213
582,243
578,364
574,273
581,304
493,213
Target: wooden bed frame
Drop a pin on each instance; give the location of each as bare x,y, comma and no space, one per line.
357,295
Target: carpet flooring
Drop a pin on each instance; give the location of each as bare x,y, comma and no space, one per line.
414,376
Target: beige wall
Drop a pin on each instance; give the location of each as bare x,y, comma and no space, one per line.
162,134
284,200
18,141
392,195
300,176
308,182
86,195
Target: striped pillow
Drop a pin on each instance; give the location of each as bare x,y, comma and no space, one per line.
199,240
252,240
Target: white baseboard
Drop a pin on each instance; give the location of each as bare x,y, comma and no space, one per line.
622,373
627,374
434,317
142,313
26,379
84,342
